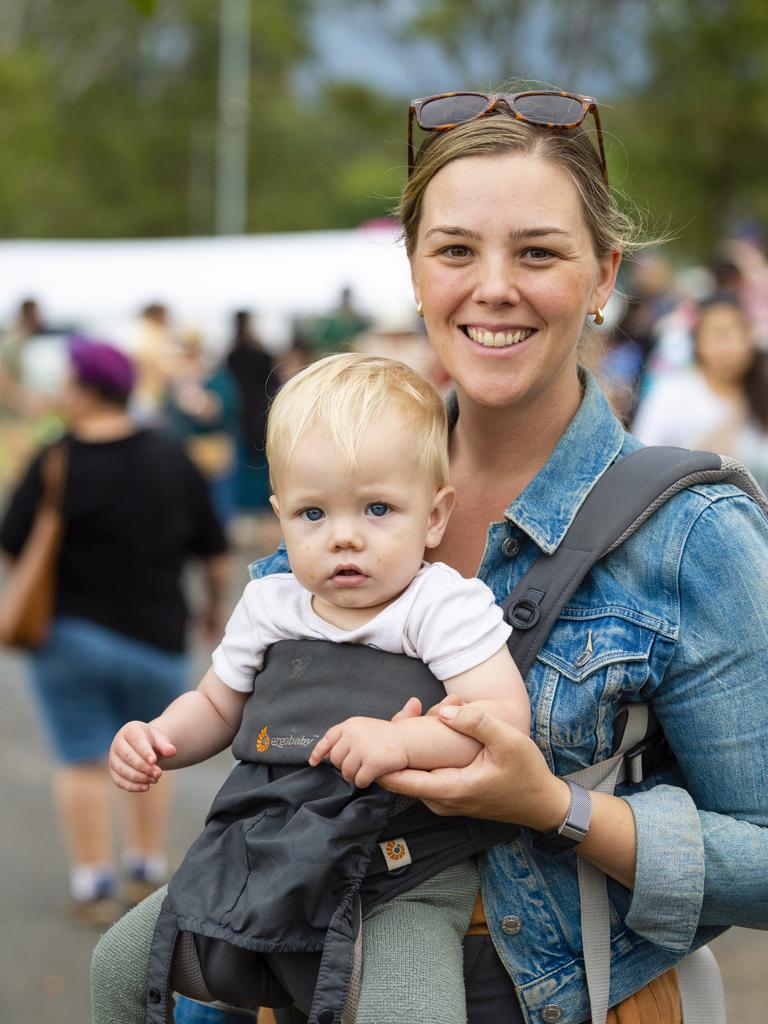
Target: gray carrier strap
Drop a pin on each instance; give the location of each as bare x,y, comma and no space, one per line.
627,494
701,987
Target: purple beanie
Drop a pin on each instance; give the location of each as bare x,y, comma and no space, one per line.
101,365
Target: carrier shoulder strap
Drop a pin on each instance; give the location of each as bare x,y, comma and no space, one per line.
628,493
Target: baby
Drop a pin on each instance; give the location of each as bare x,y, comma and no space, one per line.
357,448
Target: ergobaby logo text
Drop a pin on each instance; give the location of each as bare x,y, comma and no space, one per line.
264,741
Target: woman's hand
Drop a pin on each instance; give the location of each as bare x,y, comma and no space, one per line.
509,780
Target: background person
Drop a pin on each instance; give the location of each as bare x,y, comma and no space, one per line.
201,409
154,351
135,509
720,402
252,369
340,326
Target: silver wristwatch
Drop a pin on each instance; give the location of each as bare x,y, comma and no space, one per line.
574,828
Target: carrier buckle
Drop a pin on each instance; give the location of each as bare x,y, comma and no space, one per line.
642,760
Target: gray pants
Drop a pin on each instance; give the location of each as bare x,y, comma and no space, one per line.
412,956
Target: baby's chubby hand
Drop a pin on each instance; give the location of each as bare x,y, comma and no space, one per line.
133,756
362,749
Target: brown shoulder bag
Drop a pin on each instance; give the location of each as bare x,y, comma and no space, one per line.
26,605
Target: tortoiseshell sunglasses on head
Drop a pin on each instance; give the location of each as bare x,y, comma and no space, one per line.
448,110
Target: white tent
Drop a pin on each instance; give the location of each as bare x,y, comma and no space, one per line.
101,285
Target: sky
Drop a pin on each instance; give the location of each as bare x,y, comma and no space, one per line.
360,45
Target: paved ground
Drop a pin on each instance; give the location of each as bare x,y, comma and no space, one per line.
44,962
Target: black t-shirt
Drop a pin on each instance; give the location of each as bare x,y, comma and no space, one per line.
135,509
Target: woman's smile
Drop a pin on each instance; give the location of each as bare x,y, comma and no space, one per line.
497,337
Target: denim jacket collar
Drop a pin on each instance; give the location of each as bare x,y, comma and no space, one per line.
548,505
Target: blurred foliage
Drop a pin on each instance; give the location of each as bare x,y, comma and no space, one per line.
145,6
696,133
491,41
108,123
108,108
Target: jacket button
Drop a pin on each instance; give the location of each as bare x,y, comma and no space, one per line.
551,1013
510,547
154,995
325,1017
511,925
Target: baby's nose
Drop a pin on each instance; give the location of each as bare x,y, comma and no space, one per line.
346,536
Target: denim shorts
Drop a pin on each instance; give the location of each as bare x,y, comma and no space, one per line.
89,681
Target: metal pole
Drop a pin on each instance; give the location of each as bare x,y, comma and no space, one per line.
234,110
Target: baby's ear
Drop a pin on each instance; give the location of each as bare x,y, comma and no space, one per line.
275,504
439,514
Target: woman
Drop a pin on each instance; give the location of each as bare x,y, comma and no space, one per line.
135,509
200,410
721,402
514,242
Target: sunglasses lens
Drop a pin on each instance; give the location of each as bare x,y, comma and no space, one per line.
549,109
445,110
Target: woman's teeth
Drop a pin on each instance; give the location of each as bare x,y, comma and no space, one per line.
498,339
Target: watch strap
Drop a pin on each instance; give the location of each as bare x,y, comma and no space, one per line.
574,828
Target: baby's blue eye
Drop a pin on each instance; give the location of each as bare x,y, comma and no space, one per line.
378,508
313,515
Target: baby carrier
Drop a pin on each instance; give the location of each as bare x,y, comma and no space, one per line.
291,856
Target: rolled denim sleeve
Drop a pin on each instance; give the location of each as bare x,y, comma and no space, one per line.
702,852
669,874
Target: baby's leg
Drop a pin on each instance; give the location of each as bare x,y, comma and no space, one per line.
119,965
412,952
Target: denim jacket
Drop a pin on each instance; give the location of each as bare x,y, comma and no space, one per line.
677,616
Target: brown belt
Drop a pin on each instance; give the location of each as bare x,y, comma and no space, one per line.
478,924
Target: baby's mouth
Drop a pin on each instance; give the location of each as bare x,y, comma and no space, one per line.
344,575
497,339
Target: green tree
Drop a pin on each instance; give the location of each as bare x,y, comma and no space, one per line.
108,121
697,131
108,108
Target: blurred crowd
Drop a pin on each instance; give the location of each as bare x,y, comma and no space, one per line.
212,402
684,353
682,356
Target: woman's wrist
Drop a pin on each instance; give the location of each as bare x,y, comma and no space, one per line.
551,810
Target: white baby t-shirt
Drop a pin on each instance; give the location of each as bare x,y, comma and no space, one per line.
450,623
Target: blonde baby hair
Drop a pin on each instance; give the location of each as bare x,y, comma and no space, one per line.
347,393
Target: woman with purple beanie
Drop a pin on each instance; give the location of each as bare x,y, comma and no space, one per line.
135,509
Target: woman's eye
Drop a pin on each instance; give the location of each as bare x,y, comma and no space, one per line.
535,253
378,509
455,252
312,515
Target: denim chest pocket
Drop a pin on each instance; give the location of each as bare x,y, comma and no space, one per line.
591,664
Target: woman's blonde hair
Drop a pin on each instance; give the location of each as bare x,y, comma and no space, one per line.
572,150
349,393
